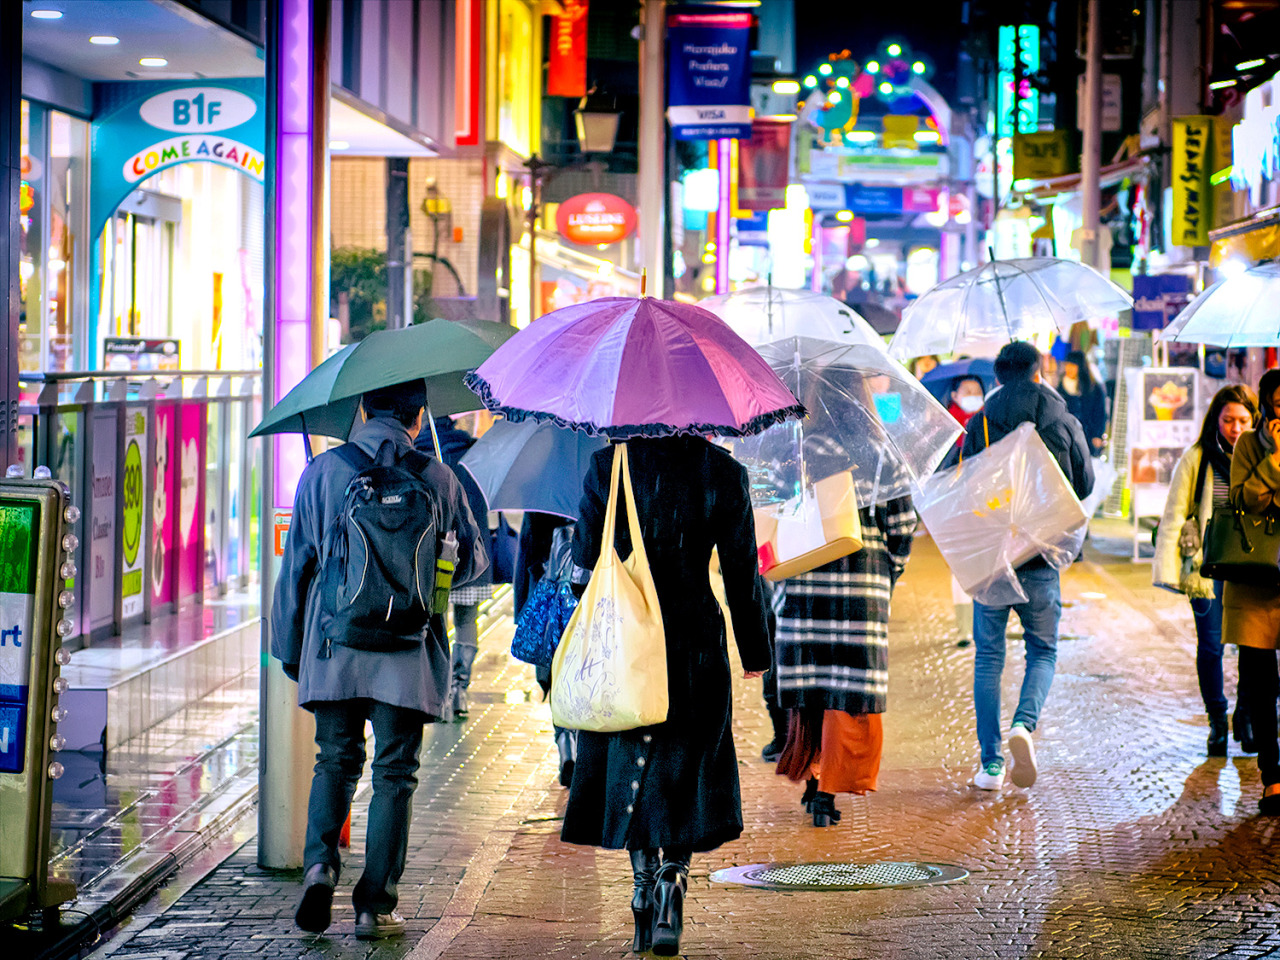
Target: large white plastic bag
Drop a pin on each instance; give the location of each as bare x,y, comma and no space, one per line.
996,510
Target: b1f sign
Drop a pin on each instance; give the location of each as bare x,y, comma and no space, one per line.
709,74
198,109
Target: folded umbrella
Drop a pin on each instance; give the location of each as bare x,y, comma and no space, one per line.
765,314
325,401
866,415
532,466
623,367
1237,311
981,310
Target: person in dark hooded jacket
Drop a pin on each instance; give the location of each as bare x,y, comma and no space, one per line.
1021,398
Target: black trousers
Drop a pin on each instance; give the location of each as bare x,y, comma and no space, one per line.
1259,694
397,735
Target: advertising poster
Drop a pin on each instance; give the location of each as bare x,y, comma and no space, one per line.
1165,410
567,62
709,73
1169,404
163,497
135,485
763,162
190,519
18,550
101,550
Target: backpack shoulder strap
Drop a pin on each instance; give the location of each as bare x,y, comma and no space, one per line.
353,455
416,460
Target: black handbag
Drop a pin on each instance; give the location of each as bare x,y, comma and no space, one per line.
1242,548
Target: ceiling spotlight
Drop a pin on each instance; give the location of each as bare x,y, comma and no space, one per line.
338,145
154,62
105,41
872,66
886,88
825,69
893,49
918,67
47,14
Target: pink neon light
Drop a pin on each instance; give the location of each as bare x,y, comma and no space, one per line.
724,156
294,146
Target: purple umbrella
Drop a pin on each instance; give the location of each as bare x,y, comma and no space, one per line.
623,367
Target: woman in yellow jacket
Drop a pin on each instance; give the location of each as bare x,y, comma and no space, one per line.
1251,614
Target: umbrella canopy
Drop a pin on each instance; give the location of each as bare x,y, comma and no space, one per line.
980,311
765,314
942,378
532,466
623,367
867,414
1237,311
324,402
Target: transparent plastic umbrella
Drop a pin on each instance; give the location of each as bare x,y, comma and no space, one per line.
866,414
765,314
1239,311
980,311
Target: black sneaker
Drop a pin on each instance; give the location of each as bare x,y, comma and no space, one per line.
315,908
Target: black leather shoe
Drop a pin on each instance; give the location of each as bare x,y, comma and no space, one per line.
824,810
644,868
378,926
1217,743
668,909
316,906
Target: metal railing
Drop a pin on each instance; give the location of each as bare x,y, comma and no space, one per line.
161,463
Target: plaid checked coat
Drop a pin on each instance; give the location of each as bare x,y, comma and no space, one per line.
833,623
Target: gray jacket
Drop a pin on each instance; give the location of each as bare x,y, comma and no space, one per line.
417,679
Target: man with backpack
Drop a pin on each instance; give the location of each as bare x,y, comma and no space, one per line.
357,622
1020,399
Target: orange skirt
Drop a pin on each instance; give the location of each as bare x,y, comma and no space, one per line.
844,755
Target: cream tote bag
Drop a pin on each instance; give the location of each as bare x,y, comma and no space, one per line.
609,672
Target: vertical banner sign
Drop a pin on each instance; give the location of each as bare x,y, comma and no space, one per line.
763,162
708,74
191,500
1191,140
135,489
100,555
164,496
18,547
567,69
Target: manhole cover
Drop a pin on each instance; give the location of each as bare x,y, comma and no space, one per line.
840,876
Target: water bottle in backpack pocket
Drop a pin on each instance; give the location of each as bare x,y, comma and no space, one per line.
378,562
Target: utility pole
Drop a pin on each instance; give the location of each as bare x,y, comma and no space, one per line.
1091,158
536,167
399,245
651,180
10,178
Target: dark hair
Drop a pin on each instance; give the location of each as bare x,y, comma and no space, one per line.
1236,393
1087,383
403,401
1267,387
956,381
1017,361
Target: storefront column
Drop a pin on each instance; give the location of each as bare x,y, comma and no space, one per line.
297,280
10,179
399,245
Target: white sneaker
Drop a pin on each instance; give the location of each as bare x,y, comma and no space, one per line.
990,777
1023,771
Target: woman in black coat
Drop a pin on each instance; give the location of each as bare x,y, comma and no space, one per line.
1086,399
673,786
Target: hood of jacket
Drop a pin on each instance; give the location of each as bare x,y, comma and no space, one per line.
1020,402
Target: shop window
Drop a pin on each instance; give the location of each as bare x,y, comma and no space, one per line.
31,222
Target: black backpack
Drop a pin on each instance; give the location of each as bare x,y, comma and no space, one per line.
378,561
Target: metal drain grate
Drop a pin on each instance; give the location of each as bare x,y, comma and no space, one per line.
840,876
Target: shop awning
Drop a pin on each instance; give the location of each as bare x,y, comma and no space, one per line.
1252,239
1049,187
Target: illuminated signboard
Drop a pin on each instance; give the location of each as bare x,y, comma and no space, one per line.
595,218
1017,111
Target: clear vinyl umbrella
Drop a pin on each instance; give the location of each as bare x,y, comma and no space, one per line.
1239,311
765,314
866,414
979,311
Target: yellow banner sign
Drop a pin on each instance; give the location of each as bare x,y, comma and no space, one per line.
1192,140
1039,155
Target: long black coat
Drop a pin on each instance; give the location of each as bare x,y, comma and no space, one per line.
675,784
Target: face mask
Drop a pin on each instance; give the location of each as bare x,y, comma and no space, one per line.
1070,384
888,406
969,404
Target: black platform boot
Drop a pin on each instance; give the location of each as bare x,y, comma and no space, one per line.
668,905
1217,743
824,809
644,868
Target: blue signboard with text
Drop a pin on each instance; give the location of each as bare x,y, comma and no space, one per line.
709,73
1157,299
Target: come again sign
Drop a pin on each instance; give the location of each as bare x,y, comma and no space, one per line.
161,125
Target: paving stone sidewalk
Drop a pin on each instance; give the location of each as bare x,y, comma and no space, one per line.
1131,845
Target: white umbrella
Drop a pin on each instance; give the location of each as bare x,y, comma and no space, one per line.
980,311
1239,311
767,314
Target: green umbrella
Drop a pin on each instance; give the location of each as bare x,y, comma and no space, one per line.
438,351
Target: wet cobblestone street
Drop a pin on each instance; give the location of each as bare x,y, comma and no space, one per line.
1131,844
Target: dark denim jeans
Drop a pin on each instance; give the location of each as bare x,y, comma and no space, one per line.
1039,617
1208,616
1260,699
397,735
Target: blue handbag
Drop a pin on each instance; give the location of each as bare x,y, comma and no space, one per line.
550,605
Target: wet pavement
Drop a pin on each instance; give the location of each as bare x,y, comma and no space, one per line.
1132,843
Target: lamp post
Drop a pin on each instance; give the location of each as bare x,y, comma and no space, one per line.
596,119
